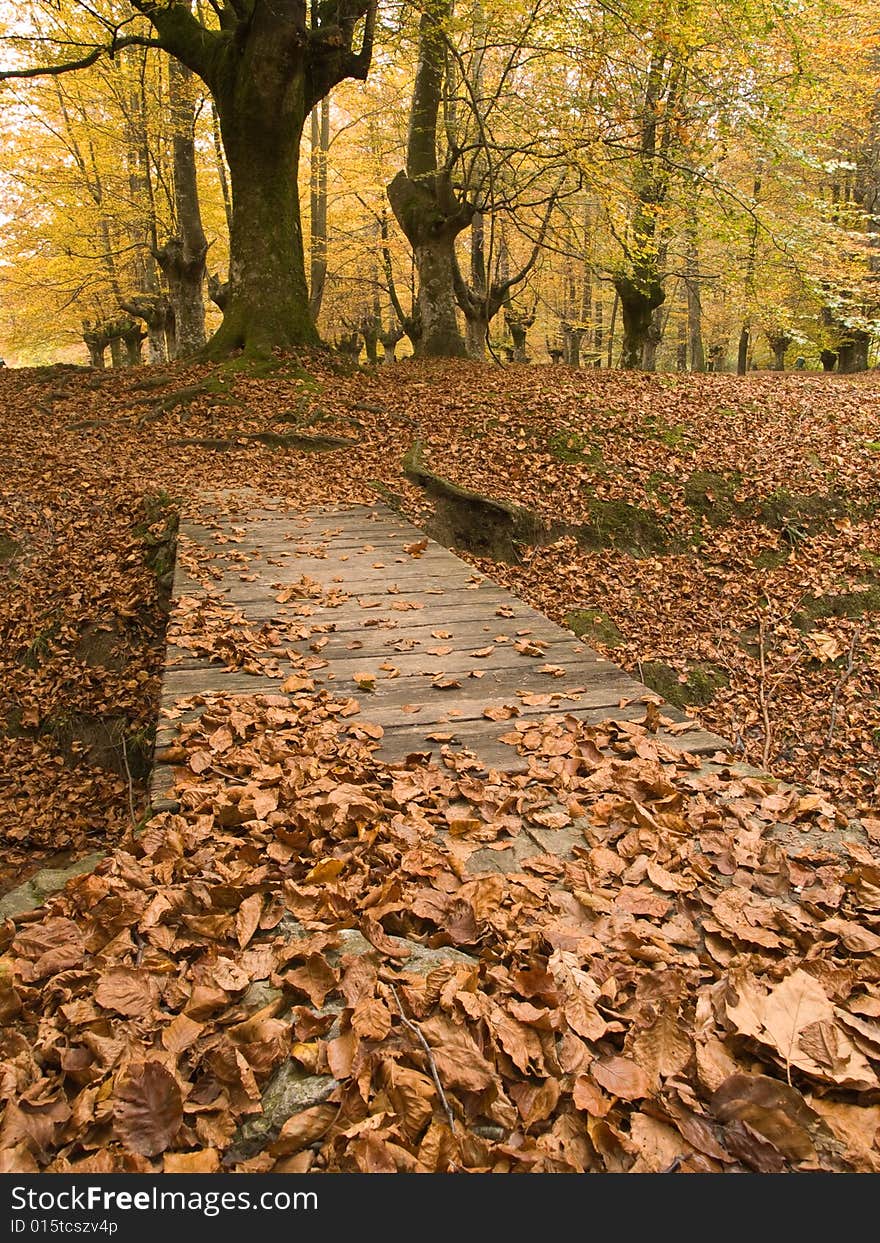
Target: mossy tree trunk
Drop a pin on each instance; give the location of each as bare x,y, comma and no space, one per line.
266,67
424,201
182,258
638,301
639,282
852,354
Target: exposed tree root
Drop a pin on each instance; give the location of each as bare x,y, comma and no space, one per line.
470,520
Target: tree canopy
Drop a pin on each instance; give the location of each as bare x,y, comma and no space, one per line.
678,184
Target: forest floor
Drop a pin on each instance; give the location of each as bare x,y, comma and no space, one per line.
701,1000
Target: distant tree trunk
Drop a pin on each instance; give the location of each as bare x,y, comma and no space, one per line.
742,350
222,174
609,360
640,285
154,310
182,258
681,345
390,338
118,356
424,201
370,326
696,353
96,340
518,325
598,325
637,305
745,336
779,343
318,200
410,324
852,355
132,337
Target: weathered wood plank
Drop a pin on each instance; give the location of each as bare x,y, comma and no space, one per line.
383,612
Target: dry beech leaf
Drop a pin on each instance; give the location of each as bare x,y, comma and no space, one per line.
247,920
147,1108
621,1077
204,1161
127,991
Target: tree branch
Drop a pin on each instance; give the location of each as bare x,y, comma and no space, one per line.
85,62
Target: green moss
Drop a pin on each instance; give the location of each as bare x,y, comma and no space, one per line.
617,524
594,626
574,449
158,533
793,513
851,604
873,445
673,435
702,682
713,495
662,485
771,558
9,548
40,646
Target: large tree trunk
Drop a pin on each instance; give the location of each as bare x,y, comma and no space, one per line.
267,304
266,66
742,351
476,331
696,352
637,305
653,339
435,263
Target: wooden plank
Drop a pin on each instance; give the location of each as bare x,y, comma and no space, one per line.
358,551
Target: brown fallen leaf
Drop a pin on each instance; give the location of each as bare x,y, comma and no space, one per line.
622,1077
147,1108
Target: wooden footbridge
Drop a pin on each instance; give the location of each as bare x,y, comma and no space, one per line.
359,601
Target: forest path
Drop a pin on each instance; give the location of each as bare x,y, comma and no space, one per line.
354,599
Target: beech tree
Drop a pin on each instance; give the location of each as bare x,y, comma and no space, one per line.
266,64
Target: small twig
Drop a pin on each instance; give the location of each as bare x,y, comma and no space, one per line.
840,684
239,781
131,804
414,1027
765,694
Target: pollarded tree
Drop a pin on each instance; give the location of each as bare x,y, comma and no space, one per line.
423,197
266,63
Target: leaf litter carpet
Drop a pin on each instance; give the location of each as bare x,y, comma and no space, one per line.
609,954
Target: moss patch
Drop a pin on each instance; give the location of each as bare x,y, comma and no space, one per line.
771,558
574,449
794,513
713,495
851,604
594,626
617,524
703,681
9,548
158,534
